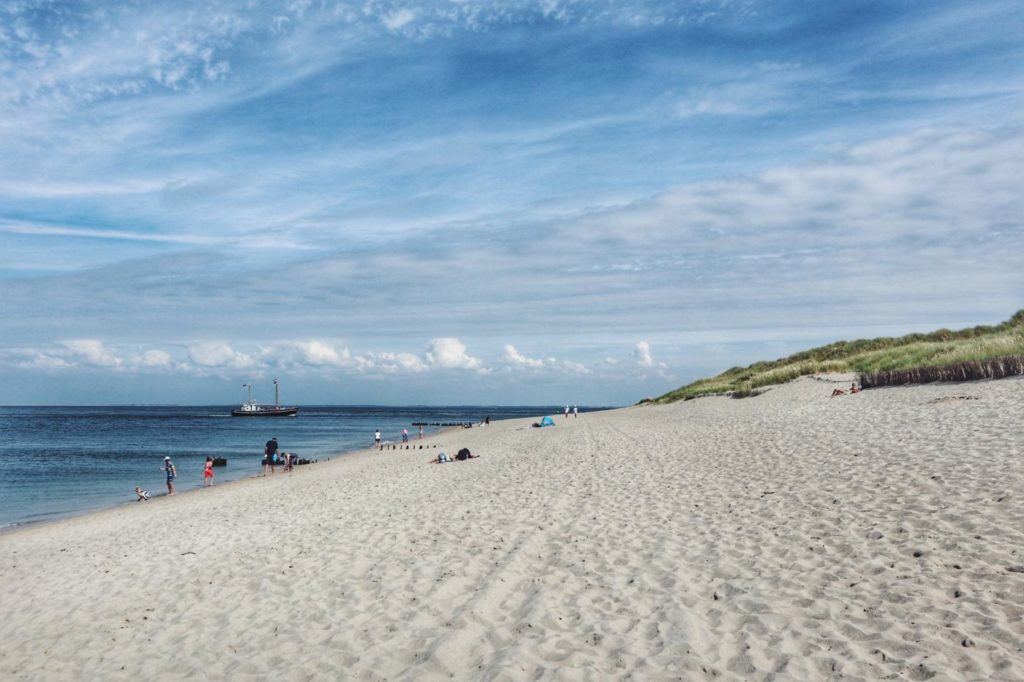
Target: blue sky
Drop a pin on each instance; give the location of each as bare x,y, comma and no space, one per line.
492,202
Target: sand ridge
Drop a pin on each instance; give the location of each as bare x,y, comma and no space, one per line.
784,537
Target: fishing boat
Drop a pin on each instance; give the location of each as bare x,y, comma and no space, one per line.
250,408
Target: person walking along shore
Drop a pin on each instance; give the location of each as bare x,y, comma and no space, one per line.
172,473
270,452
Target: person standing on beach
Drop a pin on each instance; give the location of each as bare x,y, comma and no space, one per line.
566,411
208,473
405,435
271,453
575,411
171,474
376,438
421,431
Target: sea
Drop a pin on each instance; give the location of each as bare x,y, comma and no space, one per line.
62,461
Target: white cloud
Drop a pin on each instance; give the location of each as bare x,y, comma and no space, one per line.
570,367
218,354
510,356
401,362
513,360
642,354
25,358
93,353
398,19
450,353
88,353
156,359
320,353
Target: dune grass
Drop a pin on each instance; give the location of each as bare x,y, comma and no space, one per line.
866,357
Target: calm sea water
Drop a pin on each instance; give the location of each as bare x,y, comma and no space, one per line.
59,461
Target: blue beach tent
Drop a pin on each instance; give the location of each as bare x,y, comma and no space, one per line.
547,421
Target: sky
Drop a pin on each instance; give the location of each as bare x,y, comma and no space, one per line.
475,202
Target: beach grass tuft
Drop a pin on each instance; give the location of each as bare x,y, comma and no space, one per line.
980,352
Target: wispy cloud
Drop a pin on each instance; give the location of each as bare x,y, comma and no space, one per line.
38,229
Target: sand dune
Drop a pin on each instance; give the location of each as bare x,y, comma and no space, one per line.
785,537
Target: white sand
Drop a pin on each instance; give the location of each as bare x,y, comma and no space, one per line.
787,537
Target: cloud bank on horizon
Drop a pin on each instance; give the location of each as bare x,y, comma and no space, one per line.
468,201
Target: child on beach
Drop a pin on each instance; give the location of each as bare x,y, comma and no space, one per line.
171,474
143,495
208,472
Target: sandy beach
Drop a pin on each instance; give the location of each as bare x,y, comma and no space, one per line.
784,537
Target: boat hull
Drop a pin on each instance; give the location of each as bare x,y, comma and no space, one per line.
267,412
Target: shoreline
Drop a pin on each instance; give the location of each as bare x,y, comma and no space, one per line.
65,464
874,535
154,497
161,497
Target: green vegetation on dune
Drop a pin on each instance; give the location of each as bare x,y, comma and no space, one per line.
865,356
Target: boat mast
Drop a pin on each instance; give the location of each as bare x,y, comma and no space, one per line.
277,402
249,386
